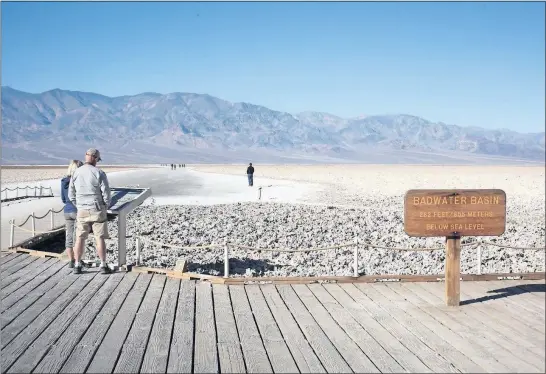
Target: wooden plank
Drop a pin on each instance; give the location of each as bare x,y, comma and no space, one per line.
491,308
156,357
524,298
526,316
91,297
480,212
17,318
6,259
425,313
301,351
505,337
33,269
452,348
109,349
357,360
134,346
354,302
44,281
436,352
230,354
85,349
8,265
19,344
19,266
76,323
275,346
181,350
251,342
205,359
330,358
377,354
472,331
534,288
533,334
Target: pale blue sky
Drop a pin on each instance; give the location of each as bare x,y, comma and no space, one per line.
471,64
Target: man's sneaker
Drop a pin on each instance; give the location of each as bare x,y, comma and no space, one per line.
105,269
71,264
78,269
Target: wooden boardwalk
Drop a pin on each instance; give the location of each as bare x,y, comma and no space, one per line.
54,321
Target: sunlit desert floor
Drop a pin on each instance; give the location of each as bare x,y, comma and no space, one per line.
18,174
352,184
315,206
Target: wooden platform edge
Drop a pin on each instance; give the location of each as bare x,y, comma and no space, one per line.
385,278
33,252
179,275
305,280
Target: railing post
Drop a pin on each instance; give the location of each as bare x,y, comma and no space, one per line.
34,191
12,233
26,191
355,270
137,243
41,190
226,261
33,222
479,259
260,193
52,219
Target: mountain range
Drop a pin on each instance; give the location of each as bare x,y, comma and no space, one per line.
57,125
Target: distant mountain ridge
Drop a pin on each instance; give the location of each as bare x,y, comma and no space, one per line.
51,125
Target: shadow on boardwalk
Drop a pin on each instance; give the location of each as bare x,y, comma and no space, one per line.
508,292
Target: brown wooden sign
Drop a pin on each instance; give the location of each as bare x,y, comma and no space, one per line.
455,212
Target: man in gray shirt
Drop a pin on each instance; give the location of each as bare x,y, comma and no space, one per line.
90,193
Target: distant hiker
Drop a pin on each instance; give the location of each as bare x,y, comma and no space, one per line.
69,211
89,191
172,166
250,174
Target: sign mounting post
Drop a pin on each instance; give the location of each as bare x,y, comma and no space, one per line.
453,214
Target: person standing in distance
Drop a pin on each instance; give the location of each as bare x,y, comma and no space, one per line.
89,191
250,174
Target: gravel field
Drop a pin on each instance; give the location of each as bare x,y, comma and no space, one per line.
302,226
367,203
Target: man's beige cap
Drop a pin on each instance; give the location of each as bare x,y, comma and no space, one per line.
94,152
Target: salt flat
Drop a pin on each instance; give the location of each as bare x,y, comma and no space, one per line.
307,206
350,183
14,174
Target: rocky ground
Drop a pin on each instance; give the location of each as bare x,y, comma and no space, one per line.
272,225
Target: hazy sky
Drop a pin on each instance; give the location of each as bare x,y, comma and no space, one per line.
471,64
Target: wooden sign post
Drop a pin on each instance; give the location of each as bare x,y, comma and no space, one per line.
453,214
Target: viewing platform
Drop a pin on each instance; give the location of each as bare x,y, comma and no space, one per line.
54,321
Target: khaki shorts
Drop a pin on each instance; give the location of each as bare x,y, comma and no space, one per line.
88,219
